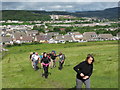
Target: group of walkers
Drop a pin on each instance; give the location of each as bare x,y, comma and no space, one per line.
84,69
46,60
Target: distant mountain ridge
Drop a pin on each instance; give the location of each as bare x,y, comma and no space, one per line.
110,13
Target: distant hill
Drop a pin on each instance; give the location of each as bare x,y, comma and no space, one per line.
110,13
23,15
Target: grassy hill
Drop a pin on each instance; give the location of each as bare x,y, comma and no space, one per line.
23,15
18,73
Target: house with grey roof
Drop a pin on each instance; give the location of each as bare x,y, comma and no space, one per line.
78,37
7,40
68,38
105,37
90,36
59,39
42,38
22,38
52,34
32,32
63,38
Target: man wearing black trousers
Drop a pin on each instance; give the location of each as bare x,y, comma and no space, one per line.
61,60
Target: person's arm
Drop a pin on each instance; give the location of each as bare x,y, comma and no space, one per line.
41,60
77,67
57,55
49,59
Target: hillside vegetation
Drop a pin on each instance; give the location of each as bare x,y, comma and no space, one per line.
23,15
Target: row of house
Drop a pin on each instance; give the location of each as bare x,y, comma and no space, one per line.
55,37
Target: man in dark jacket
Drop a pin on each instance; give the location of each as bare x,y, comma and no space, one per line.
53,59
84,71
61,60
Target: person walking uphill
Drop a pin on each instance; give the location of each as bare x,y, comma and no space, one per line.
84,71
45,62
53,59
61,60
35,58
31,59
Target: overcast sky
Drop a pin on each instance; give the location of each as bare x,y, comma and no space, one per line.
52,5
60,0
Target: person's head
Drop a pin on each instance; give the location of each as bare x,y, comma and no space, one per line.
44,54
90,59
52,52
36,53
33,52
60,53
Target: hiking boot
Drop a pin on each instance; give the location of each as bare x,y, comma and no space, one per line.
46,76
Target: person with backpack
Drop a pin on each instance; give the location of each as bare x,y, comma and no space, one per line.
41,56
84,71
31,58
35,58
53,59
61,60
45,62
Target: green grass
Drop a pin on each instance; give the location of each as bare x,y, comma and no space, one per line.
18,73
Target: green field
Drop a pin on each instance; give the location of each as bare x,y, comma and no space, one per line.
18,73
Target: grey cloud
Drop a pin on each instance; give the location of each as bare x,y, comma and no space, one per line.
58,6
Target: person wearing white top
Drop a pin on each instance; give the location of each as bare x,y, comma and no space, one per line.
35,58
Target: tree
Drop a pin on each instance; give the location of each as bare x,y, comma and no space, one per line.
56,29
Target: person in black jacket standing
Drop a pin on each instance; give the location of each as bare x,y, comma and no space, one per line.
45,62
53,59
61,60
84,71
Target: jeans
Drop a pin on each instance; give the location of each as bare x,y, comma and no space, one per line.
61,65
80,82
35,64
54,63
